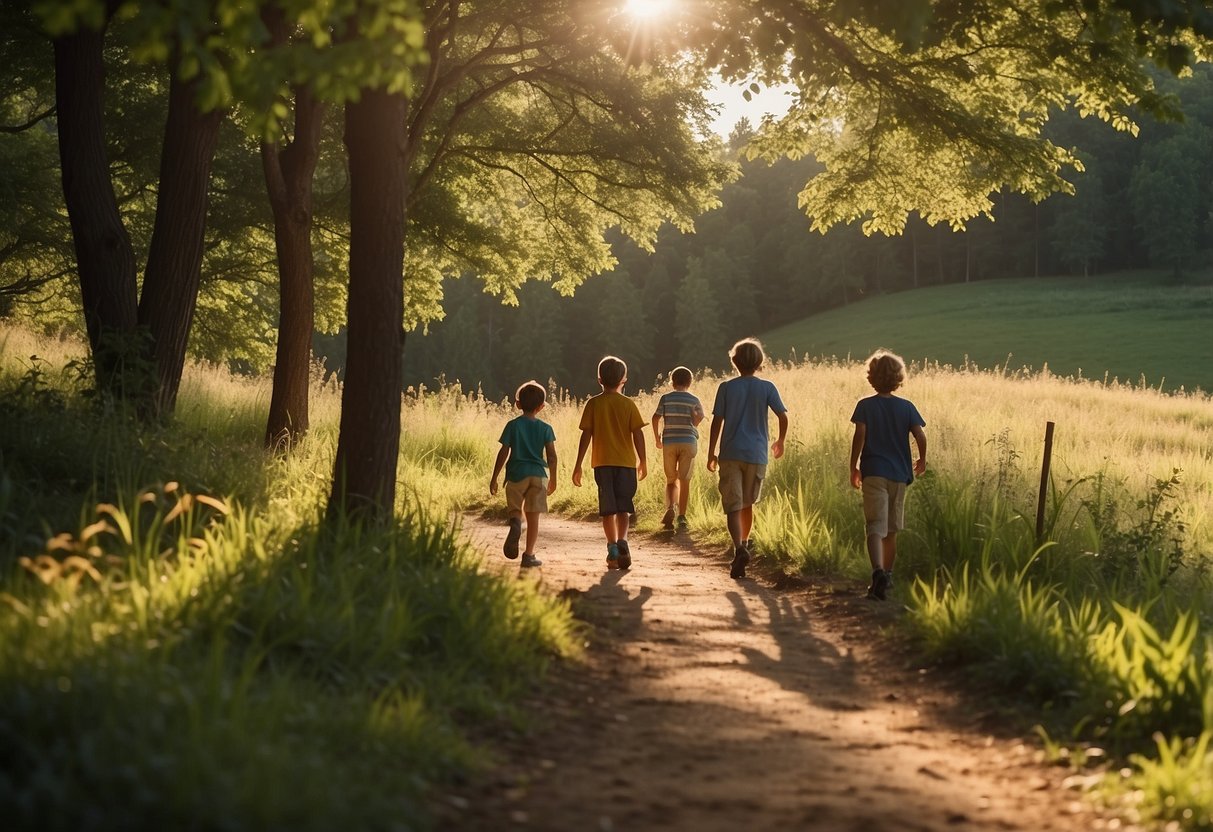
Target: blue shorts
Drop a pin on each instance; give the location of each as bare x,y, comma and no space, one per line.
616,488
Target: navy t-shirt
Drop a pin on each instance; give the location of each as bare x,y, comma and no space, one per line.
886,445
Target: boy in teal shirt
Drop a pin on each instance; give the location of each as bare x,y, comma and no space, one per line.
525,443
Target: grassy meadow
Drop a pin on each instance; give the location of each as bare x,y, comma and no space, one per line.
1130,326
161,652
183,644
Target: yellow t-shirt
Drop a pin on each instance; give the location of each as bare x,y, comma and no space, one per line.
610,418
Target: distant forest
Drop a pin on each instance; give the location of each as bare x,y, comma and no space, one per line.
754,263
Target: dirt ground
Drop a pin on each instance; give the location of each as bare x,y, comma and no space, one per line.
707,703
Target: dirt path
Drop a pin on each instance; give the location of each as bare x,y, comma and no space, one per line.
715,704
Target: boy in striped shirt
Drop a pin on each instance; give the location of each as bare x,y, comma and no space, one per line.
678,443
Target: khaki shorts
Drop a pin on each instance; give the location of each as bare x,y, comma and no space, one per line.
884,506
677,457
530,494
740,484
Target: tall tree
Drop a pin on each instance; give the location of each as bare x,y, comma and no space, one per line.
289,167
104,255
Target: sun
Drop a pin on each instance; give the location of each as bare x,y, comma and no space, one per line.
647,9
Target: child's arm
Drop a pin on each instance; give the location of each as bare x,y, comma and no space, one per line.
502,456
861,432
777,447
920,438
713,438
642,470
550,450
697,415
582,447
657,429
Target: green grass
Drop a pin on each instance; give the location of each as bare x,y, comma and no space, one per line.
185,644
269,649
1133,326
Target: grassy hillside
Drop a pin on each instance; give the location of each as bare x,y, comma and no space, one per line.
1129,326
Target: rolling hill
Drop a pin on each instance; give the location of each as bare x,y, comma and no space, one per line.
1135,327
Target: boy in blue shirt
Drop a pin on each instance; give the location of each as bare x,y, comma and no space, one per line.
678,442
739,424
880,463
525,443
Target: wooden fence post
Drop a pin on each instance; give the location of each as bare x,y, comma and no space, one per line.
1044,483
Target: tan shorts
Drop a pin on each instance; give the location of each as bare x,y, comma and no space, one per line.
530,494
740,484
883,506
678,458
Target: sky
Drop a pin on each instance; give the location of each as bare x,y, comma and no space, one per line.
733,105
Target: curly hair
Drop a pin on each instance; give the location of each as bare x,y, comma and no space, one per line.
886,371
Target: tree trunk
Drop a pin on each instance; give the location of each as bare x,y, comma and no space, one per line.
105,260
364,477
288,177
174,261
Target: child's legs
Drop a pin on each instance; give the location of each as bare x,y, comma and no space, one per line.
888,551
515,498
671,493
897,522
732,497
740,488
875,551
882,500
616,490
622,521
532,531
684,495
669,464
733,520
747,521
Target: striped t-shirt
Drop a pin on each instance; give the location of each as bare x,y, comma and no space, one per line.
678,410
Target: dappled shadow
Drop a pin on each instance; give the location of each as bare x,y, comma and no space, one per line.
609,605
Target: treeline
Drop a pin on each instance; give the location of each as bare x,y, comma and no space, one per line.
754,263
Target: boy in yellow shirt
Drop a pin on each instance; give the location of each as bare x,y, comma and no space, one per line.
609,421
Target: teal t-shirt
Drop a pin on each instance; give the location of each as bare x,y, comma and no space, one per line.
526,437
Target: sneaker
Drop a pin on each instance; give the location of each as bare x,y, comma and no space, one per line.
612,556
667,520
682,523
625,554
529,561
511,539
888,581
879,587
740,558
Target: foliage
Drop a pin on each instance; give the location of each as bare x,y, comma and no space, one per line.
218,655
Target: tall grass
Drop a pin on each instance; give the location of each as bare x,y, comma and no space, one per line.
183,643
1102,625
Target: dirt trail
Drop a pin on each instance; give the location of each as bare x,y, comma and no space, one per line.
715,704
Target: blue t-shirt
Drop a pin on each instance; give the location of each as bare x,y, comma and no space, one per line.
743,402
526,437
886,443
678,409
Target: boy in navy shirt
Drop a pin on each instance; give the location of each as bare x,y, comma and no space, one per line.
880,463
